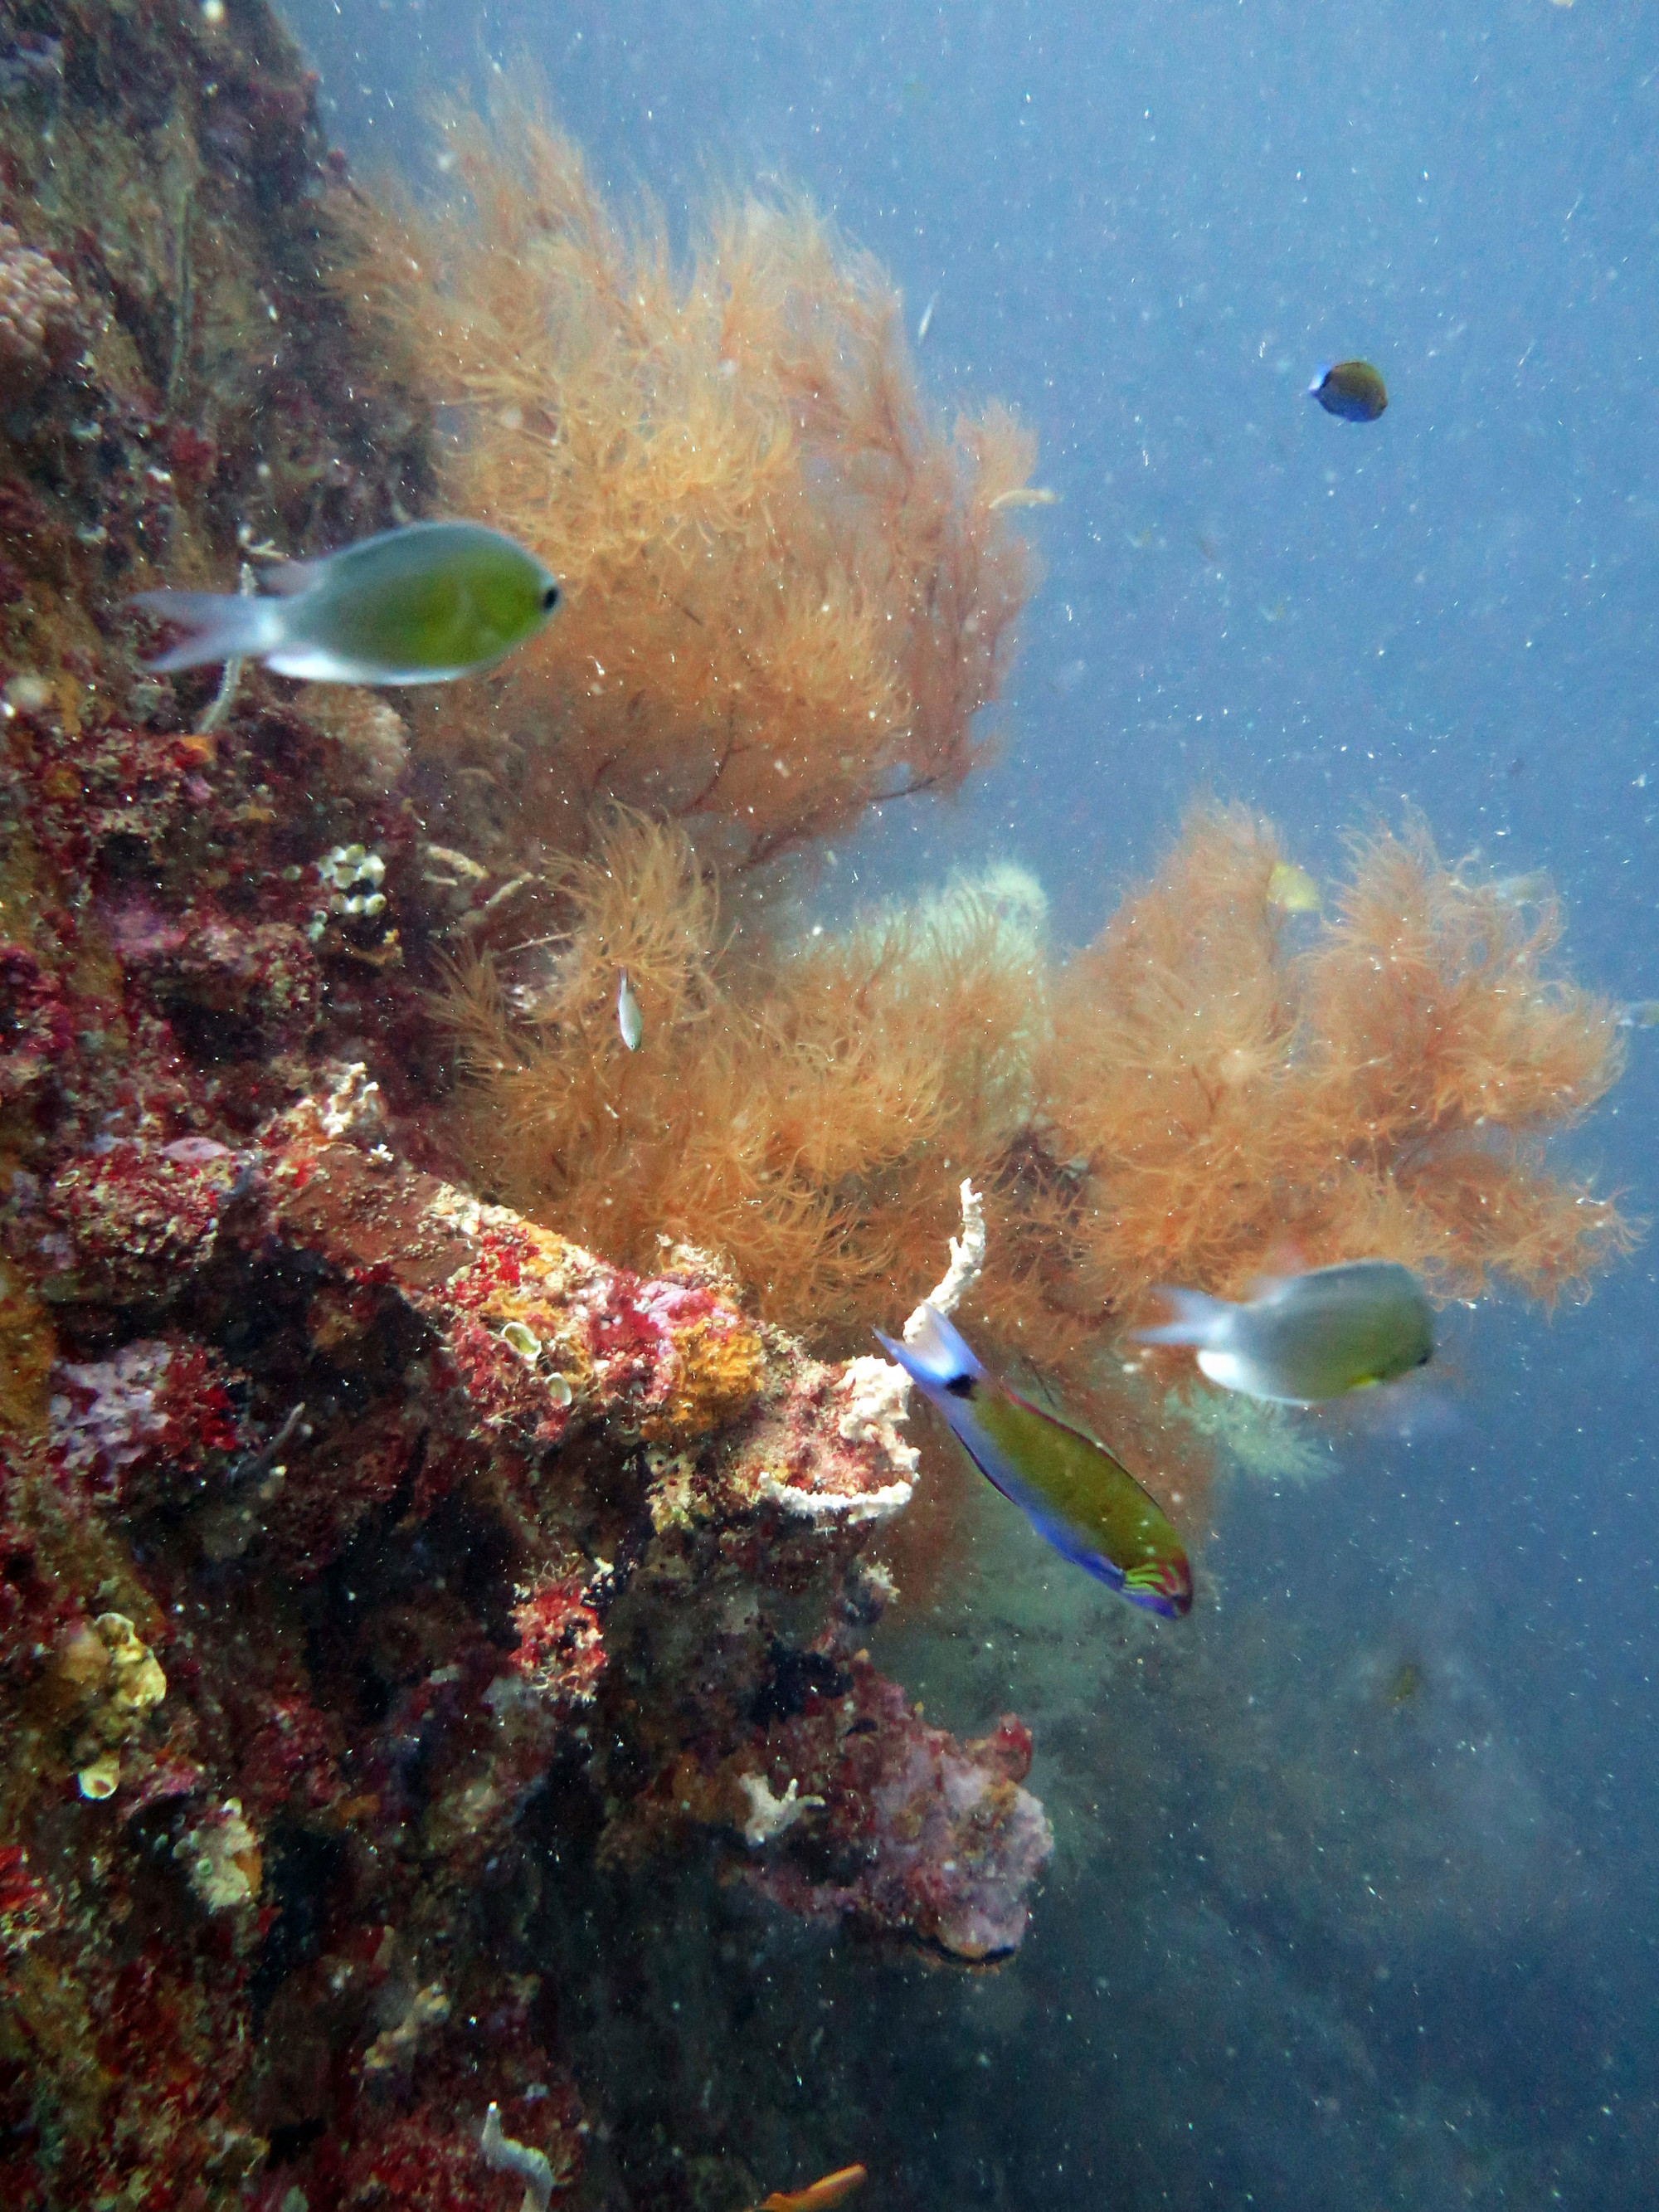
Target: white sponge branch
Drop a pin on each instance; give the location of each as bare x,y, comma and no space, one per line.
967,1258
502,2155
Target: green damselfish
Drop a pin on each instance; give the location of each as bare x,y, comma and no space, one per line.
1070,1488
423,605
1307,1337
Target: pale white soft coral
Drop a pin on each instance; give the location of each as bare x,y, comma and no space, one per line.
874,1395
503,2155
967,1258
40,318
768,1815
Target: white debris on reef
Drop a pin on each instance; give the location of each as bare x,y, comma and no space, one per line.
394,2049
769,1816
872,1404
967,1258
874,1391
502,2155
849,1506
353,1108
877,1394
223,1857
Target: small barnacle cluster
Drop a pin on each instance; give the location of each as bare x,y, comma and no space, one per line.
117,1681
529,1348
357,909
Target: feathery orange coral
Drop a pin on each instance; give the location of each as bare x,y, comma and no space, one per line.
786,593
808,1113
1381,1093
1173,1103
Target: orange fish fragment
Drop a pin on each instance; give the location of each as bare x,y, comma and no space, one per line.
817,2196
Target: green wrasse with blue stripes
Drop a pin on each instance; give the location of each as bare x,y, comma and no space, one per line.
1070,1488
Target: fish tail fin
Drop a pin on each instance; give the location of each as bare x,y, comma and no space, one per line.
935,1356
218,626
1195,1318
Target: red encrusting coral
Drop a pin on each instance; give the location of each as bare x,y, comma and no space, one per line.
434,1357
561,1650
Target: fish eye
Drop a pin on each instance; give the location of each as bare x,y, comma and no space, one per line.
550,599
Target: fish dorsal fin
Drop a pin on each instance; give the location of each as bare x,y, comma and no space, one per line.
286,579
939,1352
1284,1260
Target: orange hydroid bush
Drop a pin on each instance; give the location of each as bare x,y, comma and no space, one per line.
786,592
808,1112
1182,1101
1383,1092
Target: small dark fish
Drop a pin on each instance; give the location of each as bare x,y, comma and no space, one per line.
1352,389
1408,1681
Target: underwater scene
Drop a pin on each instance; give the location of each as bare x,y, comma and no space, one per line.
829,951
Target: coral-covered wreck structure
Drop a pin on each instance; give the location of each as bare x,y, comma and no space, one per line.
428,1444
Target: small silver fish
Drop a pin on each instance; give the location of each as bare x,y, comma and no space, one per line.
1025,495
628,1018
1531,889
1639,1014
423,605
926,322
1309,1337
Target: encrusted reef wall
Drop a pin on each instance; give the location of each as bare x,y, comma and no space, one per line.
365,1552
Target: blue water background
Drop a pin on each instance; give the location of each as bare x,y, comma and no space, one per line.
1147,227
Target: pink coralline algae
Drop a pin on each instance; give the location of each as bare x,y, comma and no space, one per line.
147,1423
920,1832
850,1805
